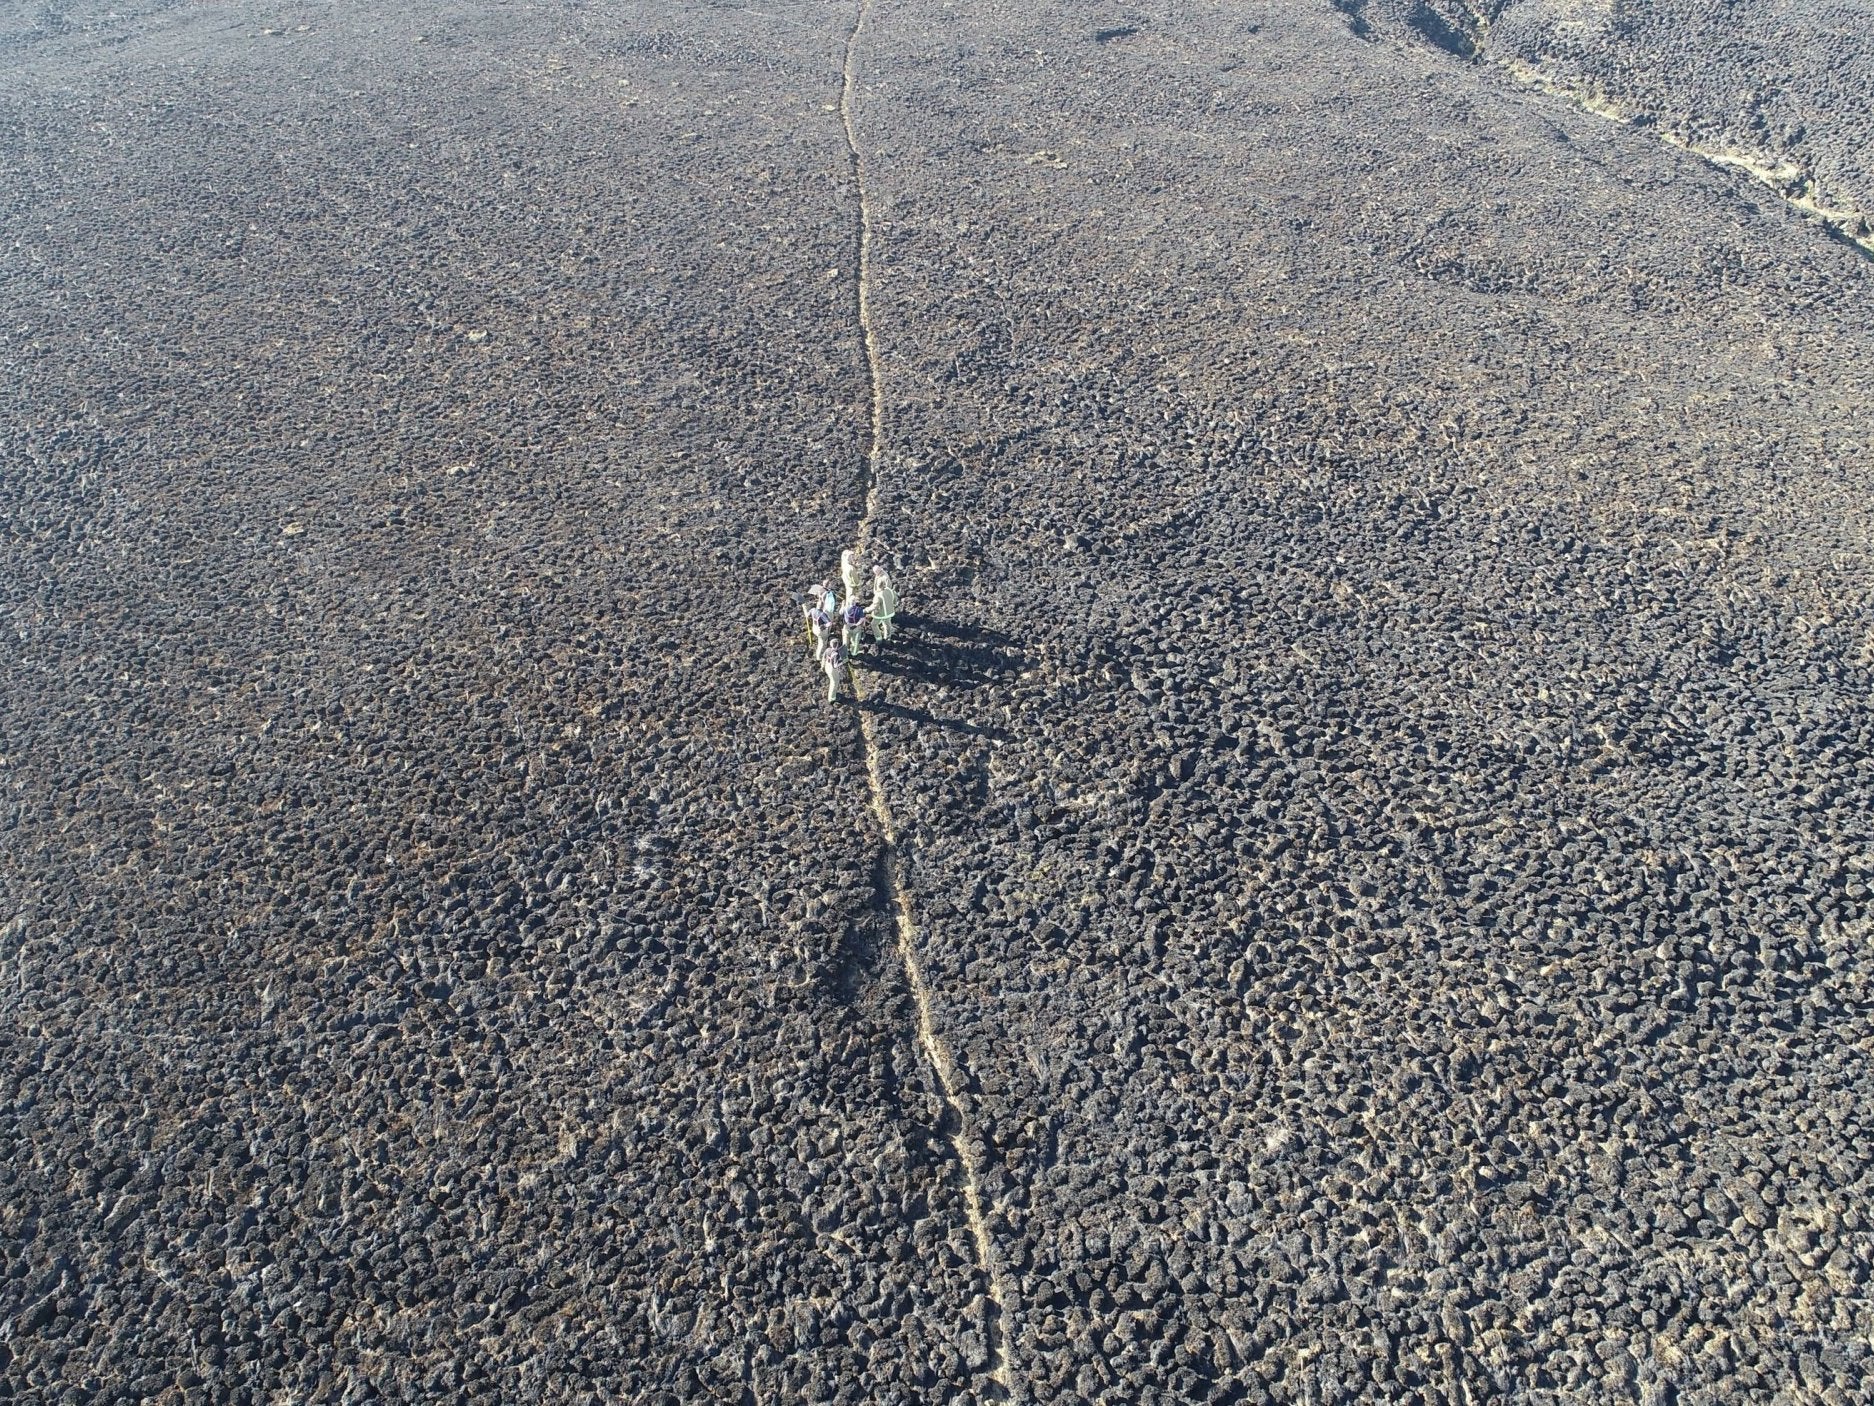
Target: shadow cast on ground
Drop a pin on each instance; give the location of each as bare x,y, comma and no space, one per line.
941,654
938,653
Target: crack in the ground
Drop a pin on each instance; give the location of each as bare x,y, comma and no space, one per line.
996,1328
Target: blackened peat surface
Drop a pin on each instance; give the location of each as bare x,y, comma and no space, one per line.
440,954
1782,92
1410,940
1381,773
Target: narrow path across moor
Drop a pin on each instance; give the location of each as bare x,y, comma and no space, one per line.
998,1328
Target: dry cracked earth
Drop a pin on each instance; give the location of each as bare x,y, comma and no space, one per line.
1378,756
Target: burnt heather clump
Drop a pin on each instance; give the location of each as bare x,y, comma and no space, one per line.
1349,882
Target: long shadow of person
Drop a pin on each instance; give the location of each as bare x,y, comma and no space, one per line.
924,718
936,652
941,654
951,630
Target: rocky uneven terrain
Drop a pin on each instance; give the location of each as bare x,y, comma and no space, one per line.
1379,761
1783,91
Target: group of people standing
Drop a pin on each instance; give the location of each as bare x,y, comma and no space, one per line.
836,626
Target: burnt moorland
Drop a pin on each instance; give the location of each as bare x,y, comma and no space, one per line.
1378,749
1783,91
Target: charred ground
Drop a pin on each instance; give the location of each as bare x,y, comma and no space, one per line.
1779,92
1380,771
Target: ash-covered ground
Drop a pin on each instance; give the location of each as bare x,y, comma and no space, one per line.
1380,751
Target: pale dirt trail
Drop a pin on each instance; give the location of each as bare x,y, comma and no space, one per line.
942,1062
